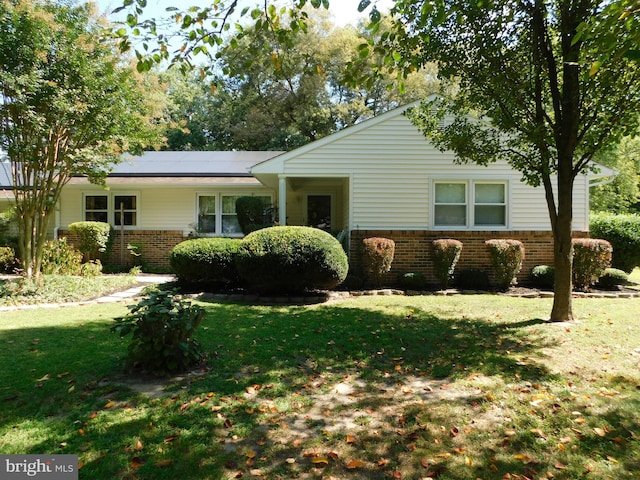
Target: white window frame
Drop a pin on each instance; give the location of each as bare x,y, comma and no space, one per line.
111,208
218,195
470,204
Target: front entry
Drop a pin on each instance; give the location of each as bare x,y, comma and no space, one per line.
319,211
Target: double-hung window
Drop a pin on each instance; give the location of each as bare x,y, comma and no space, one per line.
116,209
217,214
470,204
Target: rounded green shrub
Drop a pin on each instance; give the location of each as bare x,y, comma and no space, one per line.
60,258
623,232
8,261
613,278
412,281
291,259
206,260
543,276
473,279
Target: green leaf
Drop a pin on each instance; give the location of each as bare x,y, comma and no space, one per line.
375,16
363,5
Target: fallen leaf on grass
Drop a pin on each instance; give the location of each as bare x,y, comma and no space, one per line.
351,439
355,464
136,462
523,458
320,461
110,404
163,463
600,432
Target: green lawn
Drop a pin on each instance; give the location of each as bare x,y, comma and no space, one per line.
460,387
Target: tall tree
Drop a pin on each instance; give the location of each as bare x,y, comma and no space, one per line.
68,106
540,86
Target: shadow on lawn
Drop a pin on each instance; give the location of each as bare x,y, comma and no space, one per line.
279,354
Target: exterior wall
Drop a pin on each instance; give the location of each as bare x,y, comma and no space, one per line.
413,250
156,247
391,167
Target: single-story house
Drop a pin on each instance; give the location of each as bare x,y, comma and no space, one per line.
381,177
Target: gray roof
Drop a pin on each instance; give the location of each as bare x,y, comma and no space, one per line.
191,164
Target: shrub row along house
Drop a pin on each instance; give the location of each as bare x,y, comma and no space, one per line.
380,178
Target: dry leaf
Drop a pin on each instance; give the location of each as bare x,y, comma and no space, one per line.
136,462
600,432
110,404
320,461
351,439
355,464
163,463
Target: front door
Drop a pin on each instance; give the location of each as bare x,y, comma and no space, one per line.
319,211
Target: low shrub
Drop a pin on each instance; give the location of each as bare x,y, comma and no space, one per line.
623,233
162,325
206,260
472,279
506,259
92,268
8,261
60,258
543,276
591,257
612,278
412,281
291,259
95,238
377,257
446,253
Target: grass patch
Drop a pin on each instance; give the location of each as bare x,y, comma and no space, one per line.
60,288
460,387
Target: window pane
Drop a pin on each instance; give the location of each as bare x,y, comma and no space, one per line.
490,215
95,202
450,193
489,193
96,217
207,223
127,202
129,218
450,215
230,224
229,204
206,205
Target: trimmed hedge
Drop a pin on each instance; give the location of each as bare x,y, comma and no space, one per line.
446,253
206,260
613,278
412,281
377,257
543,276
506,259
623,233
291,259
591,257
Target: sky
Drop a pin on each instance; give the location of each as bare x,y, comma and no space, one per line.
344,11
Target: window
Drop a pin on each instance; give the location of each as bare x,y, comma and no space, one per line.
470,203
125,207
226,222
96,208
119,210
206,214
450,205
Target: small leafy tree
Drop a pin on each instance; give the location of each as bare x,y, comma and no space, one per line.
162,325
69,106
446,253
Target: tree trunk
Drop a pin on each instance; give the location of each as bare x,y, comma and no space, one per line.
562,310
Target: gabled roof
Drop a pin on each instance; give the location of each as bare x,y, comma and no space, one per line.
276,164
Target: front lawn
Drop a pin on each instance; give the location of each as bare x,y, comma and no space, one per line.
459,387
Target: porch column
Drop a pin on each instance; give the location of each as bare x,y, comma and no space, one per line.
282,200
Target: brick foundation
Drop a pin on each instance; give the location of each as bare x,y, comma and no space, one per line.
156,245
413,250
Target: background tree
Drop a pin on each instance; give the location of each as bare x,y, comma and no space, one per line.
69,106
539,87
622,194
272,96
